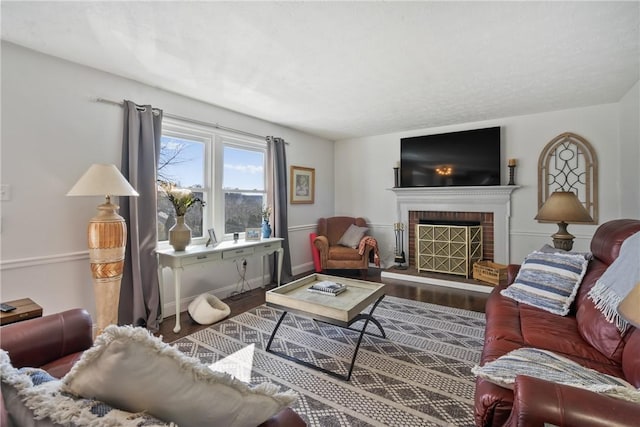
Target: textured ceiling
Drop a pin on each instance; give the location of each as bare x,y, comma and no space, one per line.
347,69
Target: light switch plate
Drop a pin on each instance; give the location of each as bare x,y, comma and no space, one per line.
5,192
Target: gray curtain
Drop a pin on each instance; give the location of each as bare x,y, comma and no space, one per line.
277,198
140,292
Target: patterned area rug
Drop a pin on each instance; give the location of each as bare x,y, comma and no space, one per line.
419,376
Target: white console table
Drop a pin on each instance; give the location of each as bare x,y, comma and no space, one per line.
224,251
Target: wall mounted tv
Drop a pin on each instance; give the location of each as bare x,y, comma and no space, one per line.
466,158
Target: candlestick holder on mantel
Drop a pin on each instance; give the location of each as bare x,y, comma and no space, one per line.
512,169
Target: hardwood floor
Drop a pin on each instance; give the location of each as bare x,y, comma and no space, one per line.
467,300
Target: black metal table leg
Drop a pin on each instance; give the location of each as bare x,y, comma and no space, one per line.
367,317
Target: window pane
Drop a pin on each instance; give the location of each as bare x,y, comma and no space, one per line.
242,211
243,169
182,163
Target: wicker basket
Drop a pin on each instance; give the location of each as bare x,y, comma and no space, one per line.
490,272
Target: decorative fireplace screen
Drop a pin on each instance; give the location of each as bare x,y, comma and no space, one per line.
448,249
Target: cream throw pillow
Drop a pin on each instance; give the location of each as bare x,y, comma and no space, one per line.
130,369
352,236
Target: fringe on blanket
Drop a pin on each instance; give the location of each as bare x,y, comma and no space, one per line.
607,301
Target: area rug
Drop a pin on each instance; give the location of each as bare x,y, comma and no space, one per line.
420,375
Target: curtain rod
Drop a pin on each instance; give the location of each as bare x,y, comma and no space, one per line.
186,119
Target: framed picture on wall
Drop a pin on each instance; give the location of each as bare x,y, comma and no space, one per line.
302,184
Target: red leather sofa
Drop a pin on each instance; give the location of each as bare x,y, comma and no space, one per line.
56,342
583,336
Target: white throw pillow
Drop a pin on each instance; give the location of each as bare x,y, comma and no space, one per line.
130,369
548,281
352,236
33,399
551,367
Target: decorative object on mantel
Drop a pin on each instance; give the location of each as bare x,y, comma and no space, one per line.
569,163
399,259
266,228
396,175
512,168
107,237
181,199
563,207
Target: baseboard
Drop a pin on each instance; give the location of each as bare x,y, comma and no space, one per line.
437,282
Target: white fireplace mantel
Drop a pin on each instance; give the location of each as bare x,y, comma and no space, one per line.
494,199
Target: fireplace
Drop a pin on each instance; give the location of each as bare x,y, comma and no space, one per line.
485,219
490,205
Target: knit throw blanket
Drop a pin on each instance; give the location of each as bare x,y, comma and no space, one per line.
617,281
370,241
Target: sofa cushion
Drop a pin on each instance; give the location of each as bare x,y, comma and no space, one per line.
551,367
351,238
33,398
548,281
131,369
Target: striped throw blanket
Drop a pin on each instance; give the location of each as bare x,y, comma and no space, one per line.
370,241
617,281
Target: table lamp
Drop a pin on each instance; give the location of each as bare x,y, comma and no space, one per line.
629,308
107,238
563,207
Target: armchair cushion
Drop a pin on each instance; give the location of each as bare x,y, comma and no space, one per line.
351,238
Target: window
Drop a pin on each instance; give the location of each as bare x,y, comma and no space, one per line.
226,171
243,187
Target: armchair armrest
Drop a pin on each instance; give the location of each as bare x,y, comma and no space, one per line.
322,244
537,402
43,340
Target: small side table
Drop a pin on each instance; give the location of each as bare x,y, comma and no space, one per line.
25,309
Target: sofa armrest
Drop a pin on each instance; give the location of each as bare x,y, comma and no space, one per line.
285,418
40,341
537,402
512,272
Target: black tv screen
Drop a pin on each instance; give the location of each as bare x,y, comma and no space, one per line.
466,158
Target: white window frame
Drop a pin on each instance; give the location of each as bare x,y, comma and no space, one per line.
213,193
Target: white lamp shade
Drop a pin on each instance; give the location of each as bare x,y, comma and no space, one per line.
102,180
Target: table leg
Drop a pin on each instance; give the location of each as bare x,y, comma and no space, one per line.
280,256
177,282
161,289
273,334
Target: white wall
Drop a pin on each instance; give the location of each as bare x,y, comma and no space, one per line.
52,130
630,153
364,171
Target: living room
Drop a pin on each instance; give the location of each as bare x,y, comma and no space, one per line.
53,129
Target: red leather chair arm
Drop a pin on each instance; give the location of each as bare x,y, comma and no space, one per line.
287,417
43,340
512,272
537,402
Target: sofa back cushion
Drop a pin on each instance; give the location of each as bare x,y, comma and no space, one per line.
592,325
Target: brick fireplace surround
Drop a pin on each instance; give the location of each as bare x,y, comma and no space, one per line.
490,205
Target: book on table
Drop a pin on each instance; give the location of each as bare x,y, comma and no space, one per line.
327,287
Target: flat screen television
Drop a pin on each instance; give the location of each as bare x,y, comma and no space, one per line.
466,158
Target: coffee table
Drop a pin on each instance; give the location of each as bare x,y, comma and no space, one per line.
341,310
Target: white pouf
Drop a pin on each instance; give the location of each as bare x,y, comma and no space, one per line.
207,309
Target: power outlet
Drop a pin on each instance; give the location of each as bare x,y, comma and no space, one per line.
5,192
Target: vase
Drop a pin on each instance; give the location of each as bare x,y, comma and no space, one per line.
266,230
180,234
